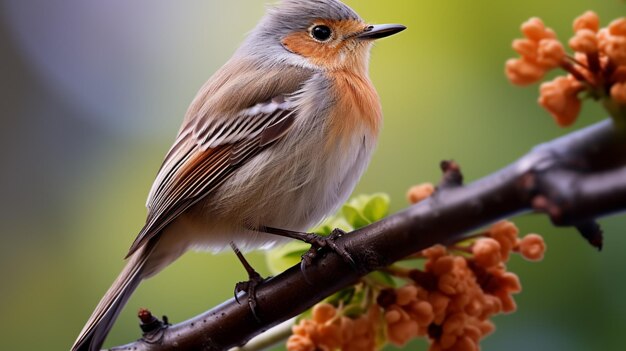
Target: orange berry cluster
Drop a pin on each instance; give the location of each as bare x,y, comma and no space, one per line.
330,330
450,301
598,65
453,298
540,52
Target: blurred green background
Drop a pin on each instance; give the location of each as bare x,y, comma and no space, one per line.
92,94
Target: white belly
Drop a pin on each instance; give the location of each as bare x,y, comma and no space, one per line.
291,185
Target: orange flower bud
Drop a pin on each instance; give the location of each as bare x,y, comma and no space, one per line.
400,333
603,38
551,53
487,327
493,305
422,313
455,323
474,308
466,344
463,294
473,332
460,262
433,253
523,72
618,92
448,284
300,343
618,27
560,98
347,328
534,29
510,282
406,294
526,47
393,315
532,247
439,302
447,341
615,49
487,252
588,20
508,303
420,192
422,293
504,230
549,34
584,41
505,233
443,265
304,328
323,312
329,336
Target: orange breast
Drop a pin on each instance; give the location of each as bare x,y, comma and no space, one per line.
357,104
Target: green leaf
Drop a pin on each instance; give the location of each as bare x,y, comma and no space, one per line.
323,229
340,223
354,216
377,207
359,201
382,278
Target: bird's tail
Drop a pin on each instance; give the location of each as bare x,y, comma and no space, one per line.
99,324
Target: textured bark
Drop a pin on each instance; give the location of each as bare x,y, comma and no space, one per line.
574,180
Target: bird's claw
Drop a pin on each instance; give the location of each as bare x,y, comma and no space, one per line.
250,287
318,242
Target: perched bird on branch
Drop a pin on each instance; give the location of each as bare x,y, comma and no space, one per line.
275,141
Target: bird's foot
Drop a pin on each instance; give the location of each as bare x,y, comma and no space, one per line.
319,242
249,287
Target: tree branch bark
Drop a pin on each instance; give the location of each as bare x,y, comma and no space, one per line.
574,180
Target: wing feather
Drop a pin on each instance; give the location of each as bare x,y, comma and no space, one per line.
194,167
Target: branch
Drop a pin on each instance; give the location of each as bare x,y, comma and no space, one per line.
574,180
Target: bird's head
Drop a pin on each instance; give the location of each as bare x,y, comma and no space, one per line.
324,34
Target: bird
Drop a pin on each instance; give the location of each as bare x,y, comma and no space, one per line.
273,142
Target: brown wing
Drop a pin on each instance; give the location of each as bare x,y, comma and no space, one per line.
195,166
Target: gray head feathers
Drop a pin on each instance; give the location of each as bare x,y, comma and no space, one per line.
290,16
299,14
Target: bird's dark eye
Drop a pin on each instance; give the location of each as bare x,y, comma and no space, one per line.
321,32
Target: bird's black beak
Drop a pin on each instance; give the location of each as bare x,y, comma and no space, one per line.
380,31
